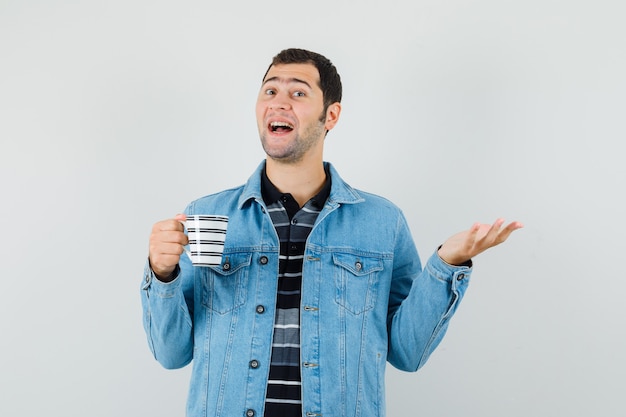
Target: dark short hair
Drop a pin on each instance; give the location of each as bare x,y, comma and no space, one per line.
330,82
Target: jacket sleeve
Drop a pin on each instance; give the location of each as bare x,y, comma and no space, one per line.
167,316
421,302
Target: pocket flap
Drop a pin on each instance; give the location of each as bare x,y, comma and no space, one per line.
358,264
232,262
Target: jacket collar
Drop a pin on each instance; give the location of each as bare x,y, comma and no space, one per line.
340,191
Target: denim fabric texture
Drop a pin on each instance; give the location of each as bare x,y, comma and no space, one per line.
366,301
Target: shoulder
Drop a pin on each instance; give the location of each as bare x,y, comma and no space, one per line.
216,203
376,200
373,206
348,196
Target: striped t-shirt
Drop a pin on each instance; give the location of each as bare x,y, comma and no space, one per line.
293,225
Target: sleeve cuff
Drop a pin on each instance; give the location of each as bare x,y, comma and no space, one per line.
150,279
457,274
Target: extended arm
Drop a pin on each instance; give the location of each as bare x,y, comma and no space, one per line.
421,303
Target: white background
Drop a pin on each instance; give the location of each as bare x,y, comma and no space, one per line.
458,111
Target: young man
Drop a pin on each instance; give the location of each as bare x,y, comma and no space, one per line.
320,284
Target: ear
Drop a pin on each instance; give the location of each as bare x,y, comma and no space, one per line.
332,115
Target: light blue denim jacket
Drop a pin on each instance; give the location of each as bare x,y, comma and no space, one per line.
365,301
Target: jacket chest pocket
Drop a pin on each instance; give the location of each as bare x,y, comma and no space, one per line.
224,287
356,279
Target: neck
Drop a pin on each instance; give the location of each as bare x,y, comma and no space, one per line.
302,180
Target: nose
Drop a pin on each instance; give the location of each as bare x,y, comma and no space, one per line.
280,102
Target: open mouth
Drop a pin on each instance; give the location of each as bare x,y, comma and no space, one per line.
280,127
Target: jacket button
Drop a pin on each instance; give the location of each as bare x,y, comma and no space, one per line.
263,260
254,364
260,309
226,266
250,412
358,266
460,276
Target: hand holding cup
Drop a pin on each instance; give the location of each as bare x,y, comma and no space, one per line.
205,236
167,243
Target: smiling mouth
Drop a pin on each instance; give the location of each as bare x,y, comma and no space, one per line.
280,127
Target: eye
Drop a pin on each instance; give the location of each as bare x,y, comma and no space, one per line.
270,92
298,94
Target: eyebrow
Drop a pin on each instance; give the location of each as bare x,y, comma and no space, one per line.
287,81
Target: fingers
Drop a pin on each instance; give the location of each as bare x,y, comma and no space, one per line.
473,234
514,226
491,237
467,244
170,224
497,234
167,242
506,232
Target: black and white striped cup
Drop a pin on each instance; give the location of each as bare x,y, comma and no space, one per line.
206,234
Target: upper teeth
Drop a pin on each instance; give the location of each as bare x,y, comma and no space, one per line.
281,124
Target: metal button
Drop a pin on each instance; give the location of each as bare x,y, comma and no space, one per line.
226,266
250,413
358,266
294,221
254,364
460,276
260,309
263,260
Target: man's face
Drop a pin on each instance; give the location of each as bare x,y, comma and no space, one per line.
290,112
